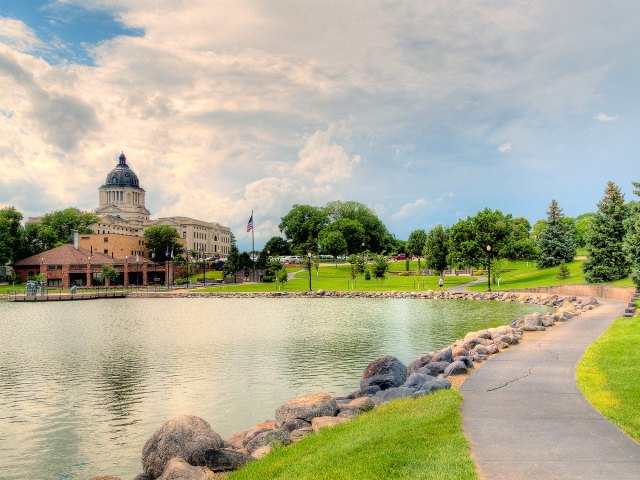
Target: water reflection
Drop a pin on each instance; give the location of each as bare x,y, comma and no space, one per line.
83,385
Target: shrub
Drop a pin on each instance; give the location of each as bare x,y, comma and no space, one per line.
563,272
268,278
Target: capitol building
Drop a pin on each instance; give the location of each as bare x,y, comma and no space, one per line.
122,211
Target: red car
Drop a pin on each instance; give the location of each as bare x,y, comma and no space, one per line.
401,256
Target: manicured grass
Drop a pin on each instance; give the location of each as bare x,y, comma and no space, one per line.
608,375
331,278
216,274
521,275
405,439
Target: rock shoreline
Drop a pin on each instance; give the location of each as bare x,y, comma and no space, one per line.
186,447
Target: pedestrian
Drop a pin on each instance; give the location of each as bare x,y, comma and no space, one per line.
440,283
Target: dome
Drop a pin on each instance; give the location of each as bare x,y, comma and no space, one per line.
122,175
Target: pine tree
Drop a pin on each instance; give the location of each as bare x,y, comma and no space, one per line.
632,240
563,271
606,261
556,241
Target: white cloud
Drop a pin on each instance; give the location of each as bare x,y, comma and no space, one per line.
17,35
505,148
323,159
411,209
603,117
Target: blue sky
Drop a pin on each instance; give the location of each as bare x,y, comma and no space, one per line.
425,111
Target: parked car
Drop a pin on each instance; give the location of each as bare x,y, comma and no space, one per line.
400,256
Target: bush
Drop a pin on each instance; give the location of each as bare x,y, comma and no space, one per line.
563,272
268,278
367,275
180,281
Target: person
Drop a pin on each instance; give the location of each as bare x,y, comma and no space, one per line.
73,288
441,282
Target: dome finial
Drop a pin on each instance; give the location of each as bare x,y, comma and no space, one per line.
123,159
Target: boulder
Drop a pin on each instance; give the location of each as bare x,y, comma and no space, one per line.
385,372
433,369
416,380
318,423
300,433
296,424
492,349
105,477
306,408
460,352
177,469
270,437
480,349
225,460
444,355
456,368
392,394
432,386
465,359
186,437
236,440
533,320
419,362
365,392
477,357
361,404
257,430
262,452
510,339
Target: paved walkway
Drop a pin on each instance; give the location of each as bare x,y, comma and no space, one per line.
463,286
526,418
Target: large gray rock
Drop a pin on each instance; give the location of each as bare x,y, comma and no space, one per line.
465,359
365,392
225,460
186,437
416,380
295,424
533,320
392,394
456,368
178,469
432,386
270,437
434,369
445,355
300,433
306,408
385,372
419,362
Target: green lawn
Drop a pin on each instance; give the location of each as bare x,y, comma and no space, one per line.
405,439
608,372
331,278
520,275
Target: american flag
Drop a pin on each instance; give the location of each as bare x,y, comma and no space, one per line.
250,224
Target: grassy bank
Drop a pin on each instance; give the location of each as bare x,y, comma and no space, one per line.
405,439
607,375
331,278
522,275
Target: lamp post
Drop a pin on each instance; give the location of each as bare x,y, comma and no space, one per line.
186,254
489,268
310,255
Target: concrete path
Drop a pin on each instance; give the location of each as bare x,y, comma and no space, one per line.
463,286
526,418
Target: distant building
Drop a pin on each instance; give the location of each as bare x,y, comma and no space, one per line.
122,210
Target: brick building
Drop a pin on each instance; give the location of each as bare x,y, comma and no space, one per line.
68,265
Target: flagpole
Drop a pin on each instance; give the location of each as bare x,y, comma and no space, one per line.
253,248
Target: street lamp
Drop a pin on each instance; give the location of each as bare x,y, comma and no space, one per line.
489,269
310,255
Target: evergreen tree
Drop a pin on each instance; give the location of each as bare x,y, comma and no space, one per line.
632,240
556,241
606,261
563,271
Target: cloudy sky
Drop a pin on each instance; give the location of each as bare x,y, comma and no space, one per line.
425,111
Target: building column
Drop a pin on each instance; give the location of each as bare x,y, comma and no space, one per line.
145,277
88,275
126,274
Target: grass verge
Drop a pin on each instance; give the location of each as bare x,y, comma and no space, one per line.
405,439
607,375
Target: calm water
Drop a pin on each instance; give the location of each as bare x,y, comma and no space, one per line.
84,384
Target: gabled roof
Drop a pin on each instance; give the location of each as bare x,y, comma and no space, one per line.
69,255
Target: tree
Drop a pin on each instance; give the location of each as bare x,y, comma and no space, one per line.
12,235
563,271
352,232
436,249
606,261
631,244
416,243
163,241
109,273
380,267
232,265
277,246
377,236
302,225
63,222
582,225
333,243
469,238
556,241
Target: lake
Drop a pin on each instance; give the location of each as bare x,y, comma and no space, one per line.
84,384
